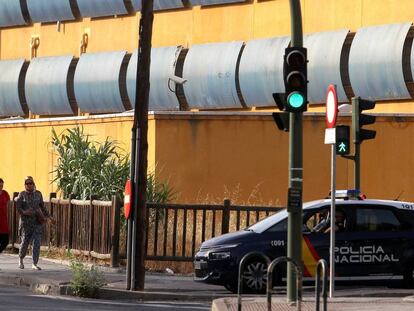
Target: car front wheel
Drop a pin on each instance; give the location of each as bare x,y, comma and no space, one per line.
255,277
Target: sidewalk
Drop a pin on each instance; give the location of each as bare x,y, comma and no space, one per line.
308,304
55,276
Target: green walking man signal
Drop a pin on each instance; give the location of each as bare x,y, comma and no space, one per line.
342,140
342,147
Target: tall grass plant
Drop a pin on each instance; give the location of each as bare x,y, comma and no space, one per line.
86,167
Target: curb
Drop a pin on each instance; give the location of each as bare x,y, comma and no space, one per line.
35,285
219,305
45,287
408,299
117,294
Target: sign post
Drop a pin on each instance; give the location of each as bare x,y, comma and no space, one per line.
330,138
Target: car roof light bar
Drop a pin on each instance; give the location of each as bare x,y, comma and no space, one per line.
349,194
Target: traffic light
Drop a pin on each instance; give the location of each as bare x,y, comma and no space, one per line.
342,140
359,119
282,120
295,79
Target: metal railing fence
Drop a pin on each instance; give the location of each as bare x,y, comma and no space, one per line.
174,231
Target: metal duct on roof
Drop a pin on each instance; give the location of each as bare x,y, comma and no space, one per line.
167,4
163,62
9,88
324,67
46,85
97,82
211,73
50,11
412,59
261,70
11,13
214,2
159,4
137,5
375,62
97,8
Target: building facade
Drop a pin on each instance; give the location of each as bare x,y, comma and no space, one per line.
74,61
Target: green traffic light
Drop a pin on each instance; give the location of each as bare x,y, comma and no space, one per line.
296,100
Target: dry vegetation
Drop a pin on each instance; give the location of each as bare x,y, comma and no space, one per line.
165,236
254,198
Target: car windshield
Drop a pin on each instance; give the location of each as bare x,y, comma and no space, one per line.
266,223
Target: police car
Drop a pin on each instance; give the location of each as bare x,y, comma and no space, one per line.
374,241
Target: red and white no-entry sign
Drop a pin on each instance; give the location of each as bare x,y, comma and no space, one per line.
331,106
127,199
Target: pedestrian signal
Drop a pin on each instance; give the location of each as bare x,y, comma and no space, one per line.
342,140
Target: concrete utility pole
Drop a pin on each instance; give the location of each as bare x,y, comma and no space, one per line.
139,153
295,217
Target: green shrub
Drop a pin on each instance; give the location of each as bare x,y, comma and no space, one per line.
86,167
86,282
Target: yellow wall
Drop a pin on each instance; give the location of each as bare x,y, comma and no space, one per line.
211,157
244,157
27,149
208,157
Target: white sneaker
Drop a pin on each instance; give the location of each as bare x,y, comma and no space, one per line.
21,265
36,267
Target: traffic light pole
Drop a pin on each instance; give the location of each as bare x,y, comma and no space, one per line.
357,166
356,139
295,215
359,133
294,250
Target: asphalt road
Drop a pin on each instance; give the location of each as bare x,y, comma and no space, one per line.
21,299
